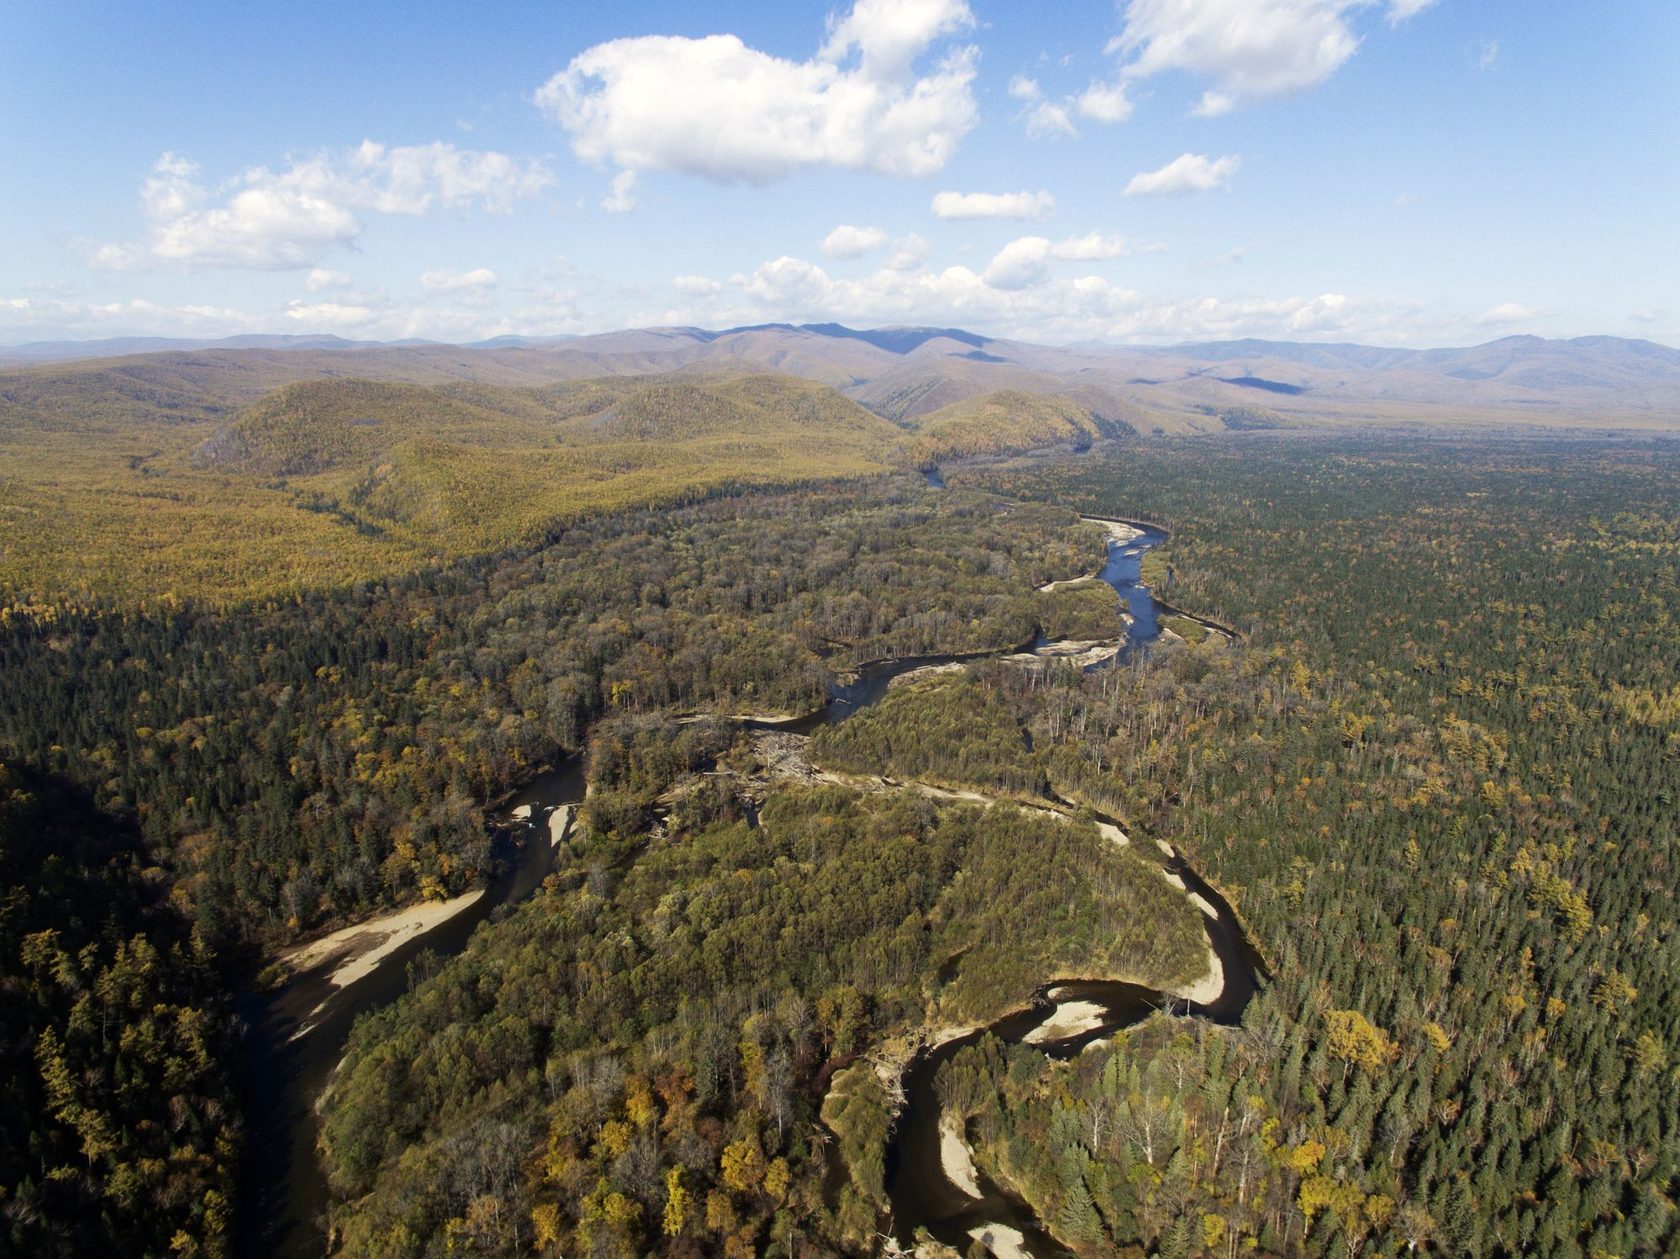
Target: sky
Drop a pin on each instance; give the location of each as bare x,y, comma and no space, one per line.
1398,172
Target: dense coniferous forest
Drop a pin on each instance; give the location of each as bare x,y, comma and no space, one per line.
119,1130
300,762
1435,775
632,1062
1438,784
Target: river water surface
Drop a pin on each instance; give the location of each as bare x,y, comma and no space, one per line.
285,1196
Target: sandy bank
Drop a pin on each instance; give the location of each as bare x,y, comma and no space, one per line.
1114,835
689,719
560,823
945,1035
354,952
1081,653
521,813
921,674
1120,532
956,1158
1002,1241
1072,1018
1207,990
1067,583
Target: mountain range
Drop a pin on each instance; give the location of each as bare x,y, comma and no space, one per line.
904,373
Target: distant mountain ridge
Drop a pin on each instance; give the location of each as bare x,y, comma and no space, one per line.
905,372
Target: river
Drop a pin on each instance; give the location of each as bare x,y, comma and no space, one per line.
922,1195
285,1195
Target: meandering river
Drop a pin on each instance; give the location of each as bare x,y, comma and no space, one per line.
285,1196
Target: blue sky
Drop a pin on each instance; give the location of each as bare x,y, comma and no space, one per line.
1416,172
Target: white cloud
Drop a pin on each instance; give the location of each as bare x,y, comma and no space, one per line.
276,220
1487,52
1044,116
52,317
993,205
331,315
621,198
1105,102
789,282
416,179
909,252
1251,50
320,279
1404,10
1051,311
1650,314
1507,314
1025,262
1189,172
1091,247
847,241
1057,311
715,108
1020,264
474,281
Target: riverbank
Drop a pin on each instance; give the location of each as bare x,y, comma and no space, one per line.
355,951
352,954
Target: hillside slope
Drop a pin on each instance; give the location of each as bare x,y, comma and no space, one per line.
1005,423
328,481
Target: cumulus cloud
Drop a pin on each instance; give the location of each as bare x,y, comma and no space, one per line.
1190,172
1053,310
993,205
1251,50
1508,314
621,194
320,278
1025,263
695,285
1091,247
275,220
338,316
716,108
474,281
1020,264
1044,116
909,252
1105,102
847,241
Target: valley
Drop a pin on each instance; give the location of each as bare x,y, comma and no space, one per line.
854,924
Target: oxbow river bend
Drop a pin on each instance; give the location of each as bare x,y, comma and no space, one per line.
286,1194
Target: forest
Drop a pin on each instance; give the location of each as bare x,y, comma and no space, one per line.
1438,785
1434,774
632,1062
299,762
1432,779
119,1118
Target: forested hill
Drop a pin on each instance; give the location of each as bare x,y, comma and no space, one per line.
124,492
263,469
